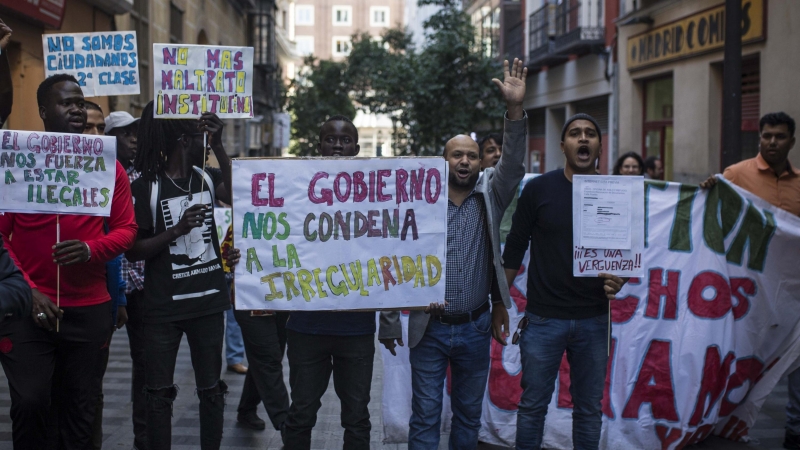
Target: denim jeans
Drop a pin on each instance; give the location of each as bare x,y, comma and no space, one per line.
793,405
542,347
465,348
234,345
161,343
312,359
264,379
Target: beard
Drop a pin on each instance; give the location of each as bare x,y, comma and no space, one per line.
463,184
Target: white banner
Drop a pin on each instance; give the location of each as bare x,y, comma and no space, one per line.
57,173
697,344
339,233
191,79
222,217
104,63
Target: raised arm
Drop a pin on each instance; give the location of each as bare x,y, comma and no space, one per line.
211,124
510,169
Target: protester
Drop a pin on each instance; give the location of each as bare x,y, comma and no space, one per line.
264,347
185,290
6,86
653,169
95,125
564,313
321,343
458,334
491,148
629,164
772,177
124,127
15,294
73,356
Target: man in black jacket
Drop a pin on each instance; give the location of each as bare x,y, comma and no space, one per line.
15,294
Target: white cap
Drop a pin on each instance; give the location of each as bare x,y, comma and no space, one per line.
118,119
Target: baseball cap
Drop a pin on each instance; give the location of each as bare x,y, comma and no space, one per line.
118,119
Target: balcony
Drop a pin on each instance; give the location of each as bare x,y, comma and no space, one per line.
569,27
579,26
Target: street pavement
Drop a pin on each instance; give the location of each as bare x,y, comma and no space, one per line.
767,433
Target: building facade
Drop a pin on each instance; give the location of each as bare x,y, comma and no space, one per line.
568,51
671,76
323,28
29,21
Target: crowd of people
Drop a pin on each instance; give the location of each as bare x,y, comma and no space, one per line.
137,269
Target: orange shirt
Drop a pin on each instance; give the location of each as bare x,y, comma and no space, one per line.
756,176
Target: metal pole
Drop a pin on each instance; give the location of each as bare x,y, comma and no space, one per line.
732,85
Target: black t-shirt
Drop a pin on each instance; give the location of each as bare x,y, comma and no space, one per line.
185,280
544,218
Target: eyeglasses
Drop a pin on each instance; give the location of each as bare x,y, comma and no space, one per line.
521,326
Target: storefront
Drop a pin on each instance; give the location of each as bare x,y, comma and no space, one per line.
670,84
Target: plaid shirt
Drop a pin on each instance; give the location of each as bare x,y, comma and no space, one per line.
133,272
468,276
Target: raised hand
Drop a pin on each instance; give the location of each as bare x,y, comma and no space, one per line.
5,35
513,87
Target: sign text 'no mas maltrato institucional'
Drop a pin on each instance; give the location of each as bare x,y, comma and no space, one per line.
104,63
57,173
339,234
191,79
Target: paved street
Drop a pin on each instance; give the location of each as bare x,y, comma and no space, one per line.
118,432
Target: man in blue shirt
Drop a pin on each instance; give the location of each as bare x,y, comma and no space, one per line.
320,343
457,333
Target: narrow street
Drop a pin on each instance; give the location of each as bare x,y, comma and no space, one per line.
118,431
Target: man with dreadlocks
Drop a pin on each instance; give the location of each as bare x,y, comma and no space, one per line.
184,283
32,352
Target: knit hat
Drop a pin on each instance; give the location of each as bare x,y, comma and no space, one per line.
581,116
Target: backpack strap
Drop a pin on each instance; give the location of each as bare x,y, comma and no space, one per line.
209,182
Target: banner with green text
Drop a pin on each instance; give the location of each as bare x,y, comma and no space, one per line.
57,173
339,234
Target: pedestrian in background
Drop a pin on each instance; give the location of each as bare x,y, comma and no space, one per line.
629,164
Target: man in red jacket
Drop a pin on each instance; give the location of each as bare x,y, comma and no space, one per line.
36,358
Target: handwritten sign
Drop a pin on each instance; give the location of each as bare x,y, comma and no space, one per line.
222,217
340,234
608,225
57,173
105,63
191,79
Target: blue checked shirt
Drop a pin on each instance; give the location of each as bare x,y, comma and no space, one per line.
132,273
469,274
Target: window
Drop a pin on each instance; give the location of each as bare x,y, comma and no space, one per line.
341,45
304,15
304,45
175,24
343,15
379,16
658,127
284,20
140,21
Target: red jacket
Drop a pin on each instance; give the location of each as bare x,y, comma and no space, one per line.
30,239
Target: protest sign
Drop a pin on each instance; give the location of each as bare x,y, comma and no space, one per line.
697,343
58,173
104,63
191,79
222,217
608,225
339,234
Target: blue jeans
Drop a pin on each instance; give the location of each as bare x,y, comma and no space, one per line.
793,405
542,347
234,344
465,348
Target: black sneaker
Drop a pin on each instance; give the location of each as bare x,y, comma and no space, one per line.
251,420
791,441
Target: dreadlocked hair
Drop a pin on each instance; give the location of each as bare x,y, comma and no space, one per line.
156,140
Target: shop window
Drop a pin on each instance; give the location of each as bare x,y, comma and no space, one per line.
658,130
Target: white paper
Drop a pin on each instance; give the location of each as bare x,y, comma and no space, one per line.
606,212
608,225
358,233
104,63
191,79
58,173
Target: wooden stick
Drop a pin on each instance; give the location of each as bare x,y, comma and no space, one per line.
608,341
58,273
205,157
